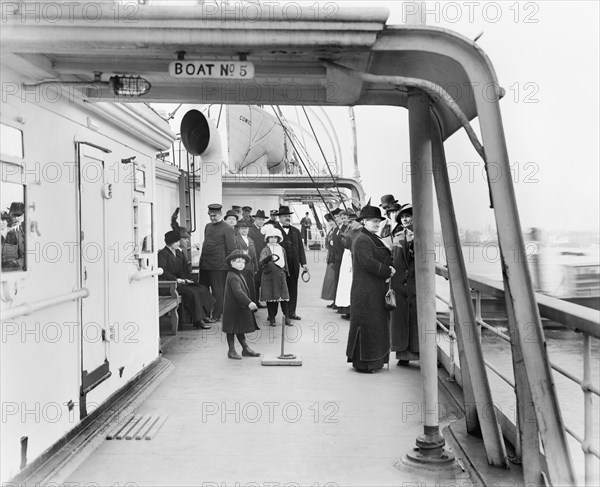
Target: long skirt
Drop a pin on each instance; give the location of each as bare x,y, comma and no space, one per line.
342,297
367,365
330,282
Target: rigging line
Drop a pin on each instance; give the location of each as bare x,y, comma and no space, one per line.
289,129
301,160
325,159
219,118
298,118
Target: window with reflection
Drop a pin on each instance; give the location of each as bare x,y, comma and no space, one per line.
13,227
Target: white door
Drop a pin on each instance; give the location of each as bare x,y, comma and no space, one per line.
93,270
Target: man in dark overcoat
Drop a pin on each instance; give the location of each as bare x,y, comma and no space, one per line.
175,268
258,238
219,242
296,257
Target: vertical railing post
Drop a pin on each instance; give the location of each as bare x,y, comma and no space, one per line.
430,445
588,410
527,447
451,334
473,370
478,316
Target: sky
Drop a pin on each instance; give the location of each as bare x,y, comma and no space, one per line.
546,58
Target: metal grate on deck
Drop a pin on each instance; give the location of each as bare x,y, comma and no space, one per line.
144,426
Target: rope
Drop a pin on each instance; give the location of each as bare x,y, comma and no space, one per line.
325,159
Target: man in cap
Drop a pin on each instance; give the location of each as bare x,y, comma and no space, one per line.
196,299
246,215
274,218
296,258
259,242
219,242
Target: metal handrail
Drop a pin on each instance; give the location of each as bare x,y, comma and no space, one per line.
28,308
572,316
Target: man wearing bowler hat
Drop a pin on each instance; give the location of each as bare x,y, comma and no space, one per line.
219,242
259,242
296,258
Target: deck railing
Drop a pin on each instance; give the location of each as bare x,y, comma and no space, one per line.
571,316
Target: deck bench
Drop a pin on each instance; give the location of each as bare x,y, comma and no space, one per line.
169,304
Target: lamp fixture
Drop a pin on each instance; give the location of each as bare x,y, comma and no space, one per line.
129,85
120,85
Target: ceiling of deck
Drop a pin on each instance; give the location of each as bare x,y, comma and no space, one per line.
289,56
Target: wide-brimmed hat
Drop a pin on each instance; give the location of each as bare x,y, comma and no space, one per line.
336,212
406,208
171,237
271,231
243,223
231,213
237,254
259,214
370,212
284,210
387,199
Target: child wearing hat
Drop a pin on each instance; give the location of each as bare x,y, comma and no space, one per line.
238,307
273,284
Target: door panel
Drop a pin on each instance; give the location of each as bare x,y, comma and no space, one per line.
93,269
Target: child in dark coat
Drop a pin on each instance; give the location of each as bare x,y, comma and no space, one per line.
238,308
273,285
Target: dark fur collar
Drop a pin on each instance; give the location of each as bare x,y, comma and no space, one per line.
374,238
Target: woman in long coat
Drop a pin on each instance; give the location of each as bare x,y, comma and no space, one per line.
330,279
369,337
244,243
405,329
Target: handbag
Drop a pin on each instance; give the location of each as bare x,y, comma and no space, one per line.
390,298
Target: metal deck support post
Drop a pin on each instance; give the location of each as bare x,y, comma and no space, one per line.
528,437
473,366
430,444
519,291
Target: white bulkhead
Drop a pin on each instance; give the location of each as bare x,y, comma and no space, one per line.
84,174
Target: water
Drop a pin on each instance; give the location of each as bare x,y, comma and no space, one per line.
564,346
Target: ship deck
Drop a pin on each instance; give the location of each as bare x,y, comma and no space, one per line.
239,423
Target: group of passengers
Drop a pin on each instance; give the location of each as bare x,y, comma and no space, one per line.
13,237
366,256
245,259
